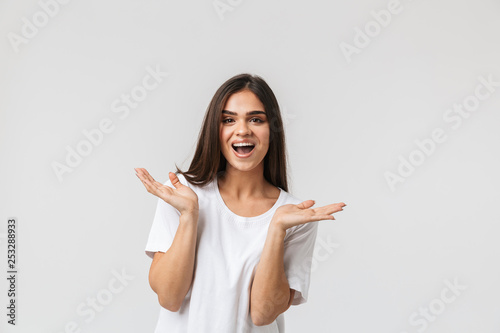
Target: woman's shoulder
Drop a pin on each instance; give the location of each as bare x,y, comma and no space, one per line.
289,198
195,187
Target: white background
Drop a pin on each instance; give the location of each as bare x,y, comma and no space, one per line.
349,119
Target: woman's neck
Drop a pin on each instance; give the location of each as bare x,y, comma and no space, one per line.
242,185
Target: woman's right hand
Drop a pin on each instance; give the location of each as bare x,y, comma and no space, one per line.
182,198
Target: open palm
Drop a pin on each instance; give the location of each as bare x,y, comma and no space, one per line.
181,197
290,215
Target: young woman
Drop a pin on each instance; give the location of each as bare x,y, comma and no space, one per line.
231,248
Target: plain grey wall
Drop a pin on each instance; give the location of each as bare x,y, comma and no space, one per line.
359,82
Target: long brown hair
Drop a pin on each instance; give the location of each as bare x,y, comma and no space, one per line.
208,160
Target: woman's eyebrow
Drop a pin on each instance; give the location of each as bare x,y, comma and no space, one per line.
249,113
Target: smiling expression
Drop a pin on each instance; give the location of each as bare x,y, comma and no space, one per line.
244,123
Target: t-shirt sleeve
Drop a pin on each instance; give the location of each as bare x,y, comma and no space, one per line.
165,223
298,256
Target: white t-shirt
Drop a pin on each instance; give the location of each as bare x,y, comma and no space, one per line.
228,250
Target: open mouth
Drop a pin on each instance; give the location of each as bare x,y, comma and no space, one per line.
243,149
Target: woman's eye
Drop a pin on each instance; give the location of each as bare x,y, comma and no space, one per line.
228,120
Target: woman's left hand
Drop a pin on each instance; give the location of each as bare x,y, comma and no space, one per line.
291,215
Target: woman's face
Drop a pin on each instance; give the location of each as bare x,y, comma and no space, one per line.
244,119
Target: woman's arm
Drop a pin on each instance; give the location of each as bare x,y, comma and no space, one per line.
270,294
171,273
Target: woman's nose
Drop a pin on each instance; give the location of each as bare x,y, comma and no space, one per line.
243,128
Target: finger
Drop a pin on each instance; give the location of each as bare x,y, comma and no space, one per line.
146,185
158,185
141,172
138,171
306,204
153,182
140,175
324,217
143,180
151,187
329,209
320,217
148,176
174,180
147,181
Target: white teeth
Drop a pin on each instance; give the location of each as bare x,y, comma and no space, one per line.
243,144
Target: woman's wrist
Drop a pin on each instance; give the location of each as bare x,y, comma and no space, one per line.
190,214
276,226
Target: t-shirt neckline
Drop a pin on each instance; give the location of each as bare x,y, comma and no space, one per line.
259,218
